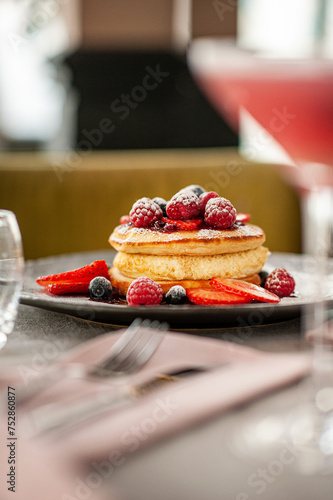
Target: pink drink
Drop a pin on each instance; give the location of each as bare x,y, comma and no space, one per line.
292,100
298,113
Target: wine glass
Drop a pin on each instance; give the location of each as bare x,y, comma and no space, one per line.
291,102
11,272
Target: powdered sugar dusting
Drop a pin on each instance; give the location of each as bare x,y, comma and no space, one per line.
145,212
127,233
185,198
209,234
126,228
184,205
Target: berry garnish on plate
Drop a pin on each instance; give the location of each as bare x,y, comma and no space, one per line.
164,225
82,274
175,295
195,188
204,199
124,219
145,212
100,288
144,291
263,277
280,282
162,203
211,297
66,287
185,225
220,213
244,289
183,206
243,218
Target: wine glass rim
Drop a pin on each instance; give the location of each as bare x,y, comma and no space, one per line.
7,213
9,218
213,54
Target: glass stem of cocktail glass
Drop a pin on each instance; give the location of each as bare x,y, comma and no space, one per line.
316,440
307,426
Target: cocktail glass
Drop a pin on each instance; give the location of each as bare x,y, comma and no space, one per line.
291,101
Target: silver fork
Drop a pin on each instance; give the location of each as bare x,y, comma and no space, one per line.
130,356
125,361
131,351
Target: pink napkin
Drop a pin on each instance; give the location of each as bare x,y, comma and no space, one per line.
178,406
245,374
40,473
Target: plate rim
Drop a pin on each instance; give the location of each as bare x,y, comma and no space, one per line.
122,313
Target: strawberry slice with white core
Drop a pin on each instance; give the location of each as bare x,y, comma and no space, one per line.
211,297
185,225
82,274
243,218
244,289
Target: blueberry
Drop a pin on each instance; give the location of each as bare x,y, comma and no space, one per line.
161,203
263,277
195,188
100,288
176,295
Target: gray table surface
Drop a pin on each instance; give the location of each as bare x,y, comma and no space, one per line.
199,463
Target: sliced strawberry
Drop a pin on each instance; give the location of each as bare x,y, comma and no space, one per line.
209,297
124,219
63,288
244,289
86,273
185,225
243,218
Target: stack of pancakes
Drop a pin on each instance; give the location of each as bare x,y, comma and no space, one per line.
186,258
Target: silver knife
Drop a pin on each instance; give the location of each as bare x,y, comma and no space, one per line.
52,419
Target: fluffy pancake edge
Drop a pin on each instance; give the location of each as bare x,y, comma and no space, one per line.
192,267
121,282
129,239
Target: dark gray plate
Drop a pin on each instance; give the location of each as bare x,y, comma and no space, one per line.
185,316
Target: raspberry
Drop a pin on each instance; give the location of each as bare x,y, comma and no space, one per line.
204,198
144,291
183,206
220,213
145,212
280,282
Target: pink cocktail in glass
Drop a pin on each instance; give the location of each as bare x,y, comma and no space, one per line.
291,99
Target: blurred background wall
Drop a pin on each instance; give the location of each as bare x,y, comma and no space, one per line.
67,65
98,108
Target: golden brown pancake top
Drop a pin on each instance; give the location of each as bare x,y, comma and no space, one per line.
130,239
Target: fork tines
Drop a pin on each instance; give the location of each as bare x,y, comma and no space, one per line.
133,348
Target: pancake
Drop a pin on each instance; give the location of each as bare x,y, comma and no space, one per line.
121,282
132,240
192,267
